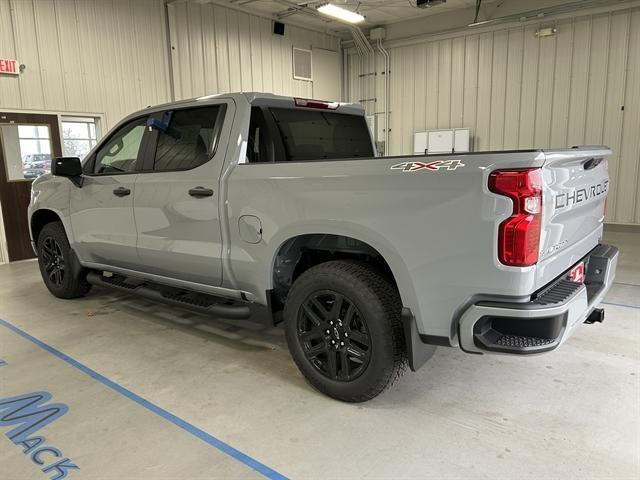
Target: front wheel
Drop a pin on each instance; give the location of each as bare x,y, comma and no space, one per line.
56,266
342,323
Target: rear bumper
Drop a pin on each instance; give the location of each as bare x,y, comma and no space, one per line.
546,321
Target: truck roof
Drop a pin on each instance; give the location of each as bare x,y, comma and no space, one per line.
253,98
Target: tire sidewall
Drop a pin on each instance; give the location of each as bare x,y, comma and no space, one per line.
380,367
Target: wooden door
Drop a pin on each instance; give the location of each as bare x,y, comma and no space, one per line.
25,141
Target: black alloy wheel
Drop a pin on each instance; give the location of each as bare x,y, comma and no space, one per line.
334,336
63,276
54,264
343,328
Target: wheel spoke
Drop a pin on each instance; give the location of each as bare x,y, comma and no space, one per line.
356,351
359,338
313,352
348,316
316,303
46,249
311,315
332,366
344,365
337,305
311,335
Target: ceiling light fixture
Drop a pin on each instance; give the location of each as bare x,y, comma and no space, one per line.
340,13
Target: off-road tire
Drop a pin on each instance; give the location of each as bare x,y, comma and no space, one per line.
377,301
73,281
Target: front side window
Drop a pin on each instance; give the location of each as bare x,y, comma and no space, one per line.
120,153
319,134
186,140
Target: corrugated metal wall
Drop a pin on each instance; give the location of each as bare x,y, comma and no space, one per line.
216,50
96,56
515,90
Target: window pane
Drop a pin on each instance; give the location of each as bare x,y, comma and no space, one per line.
75,130
315,135
76,148
119,154
27,131
24,158
43,131
187,141
36,150
92,130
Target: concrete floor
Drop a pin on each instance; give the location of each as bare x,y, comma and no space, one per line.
573,413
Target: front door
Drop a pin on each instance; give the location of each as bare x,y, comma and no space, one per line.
176,198
28,142
102,208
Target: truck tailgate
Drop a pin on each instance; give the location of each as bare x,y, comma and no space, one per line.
575,186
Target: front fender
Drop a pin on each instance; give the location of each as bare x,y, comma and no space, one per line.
52,194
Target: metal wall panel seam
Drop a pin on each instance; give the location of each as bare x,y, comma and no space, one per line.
12,12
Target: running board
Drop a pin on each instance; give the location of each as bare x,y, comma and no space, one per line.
195,301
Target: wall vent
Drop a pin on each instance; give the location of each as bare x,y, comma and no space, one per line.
301,64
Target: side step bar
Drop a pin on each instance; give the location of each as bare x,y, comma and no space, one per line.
197,302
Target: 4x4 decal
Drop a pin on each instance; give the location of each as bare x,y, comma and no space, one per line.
435,165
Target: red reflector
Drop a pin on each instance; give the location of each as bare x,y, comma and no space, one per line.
519,235
576,274
308,103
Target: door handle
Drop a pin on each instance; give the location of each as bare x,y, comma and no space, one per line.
200,192
121,192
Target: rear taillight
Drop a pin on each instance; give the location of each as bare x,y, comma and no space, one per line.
321,104
519,235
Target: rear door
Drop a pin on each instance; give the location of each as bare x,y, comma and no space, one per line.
102,209
176,198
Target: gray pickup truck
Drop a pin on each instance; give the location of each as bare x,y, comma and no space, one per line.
277,209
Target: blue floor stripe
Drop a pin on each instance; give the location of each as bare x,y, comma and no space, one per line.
621,305
186,426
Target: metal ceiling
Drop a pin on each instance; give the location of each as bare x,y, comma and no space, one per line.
376,12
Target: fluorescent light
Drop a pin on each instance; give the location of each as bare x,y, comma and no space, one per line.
340,13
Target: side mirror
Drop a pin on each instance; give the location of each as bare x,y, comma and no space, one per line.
69,167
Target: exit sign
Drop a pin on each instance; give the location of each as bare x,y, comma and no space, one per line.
9,66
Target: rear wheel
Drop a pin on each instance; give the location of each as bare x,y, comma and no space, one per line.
56,264
342,322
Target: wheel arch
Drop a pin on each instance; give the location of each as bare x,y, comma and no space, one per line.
40,218
337,241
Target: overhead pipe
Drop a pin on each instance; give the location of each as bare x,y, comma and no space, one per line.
366,53
387,93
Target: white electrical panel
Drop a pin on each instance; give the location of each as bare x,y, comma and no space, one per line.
420,143
461,140
442,141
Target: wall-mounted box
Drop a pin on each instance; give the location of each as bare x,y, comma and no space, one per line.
442,141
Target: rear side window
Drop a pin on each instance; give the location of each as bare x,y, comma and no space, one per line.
186,141
318,135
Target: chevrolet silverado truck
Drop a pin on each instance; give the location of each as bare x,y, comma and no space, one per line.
277,209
